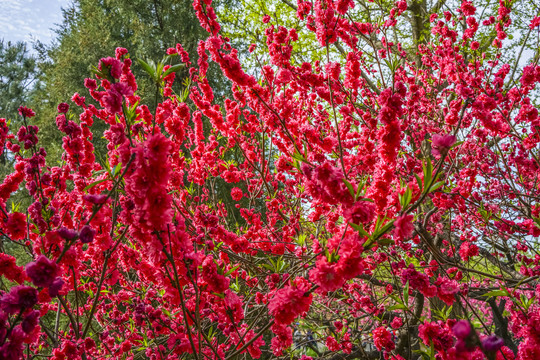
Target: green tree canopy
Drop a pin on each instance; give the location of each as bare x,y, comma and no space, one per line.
91,30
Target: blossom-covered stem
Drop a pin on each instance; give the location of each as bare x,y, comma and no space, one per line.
76,288
152,329
335,116
181,294
518,58
284,127
116,183
15,321
251,341
265,182
49,333
108,254
197,295
426,187
74,323
64,250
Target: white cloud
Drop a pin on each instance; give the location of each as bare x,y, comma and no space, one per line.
26,20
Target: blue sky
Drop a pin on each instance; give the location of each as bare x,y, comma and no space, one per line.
28,20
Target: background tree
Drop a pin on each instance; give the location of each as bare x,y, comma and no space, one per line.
91,30
17,75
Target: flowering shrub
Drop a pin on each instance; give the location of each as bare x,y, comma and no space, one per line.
398,204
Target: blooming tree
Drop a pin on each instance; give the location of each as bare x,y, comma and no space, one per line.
392,205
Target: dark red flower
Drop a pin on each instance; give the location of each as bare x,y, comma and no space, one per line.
55,287
492,343
26,112
63,108
87,234
30,322
19,298
42,272
67,234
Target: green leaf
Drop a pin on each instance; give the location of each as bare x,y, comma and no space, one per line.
405,199
436,186
360,229
94,184
15,206
495,293
301,239
456,144
385,242
232,270
296,155
146,67
406,293
268,266
428,172
397,307
350,187
385,228
419,181
117,169
172,69
360,187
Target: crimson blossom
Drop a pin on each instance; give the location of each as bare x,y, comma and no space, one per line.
385,197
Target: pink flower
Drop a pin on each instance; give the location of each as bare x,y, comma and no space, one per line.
282,340
383,339
30,322
462,329
447,290
362,212
9,268
396,323
403,227
266,19
90,84
535,22
441,337
468,250
67,234
236,194
332,344
95,199
55,287
325,275
26,112
216,283
288,303
442,143
112,65
16,225
468,8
